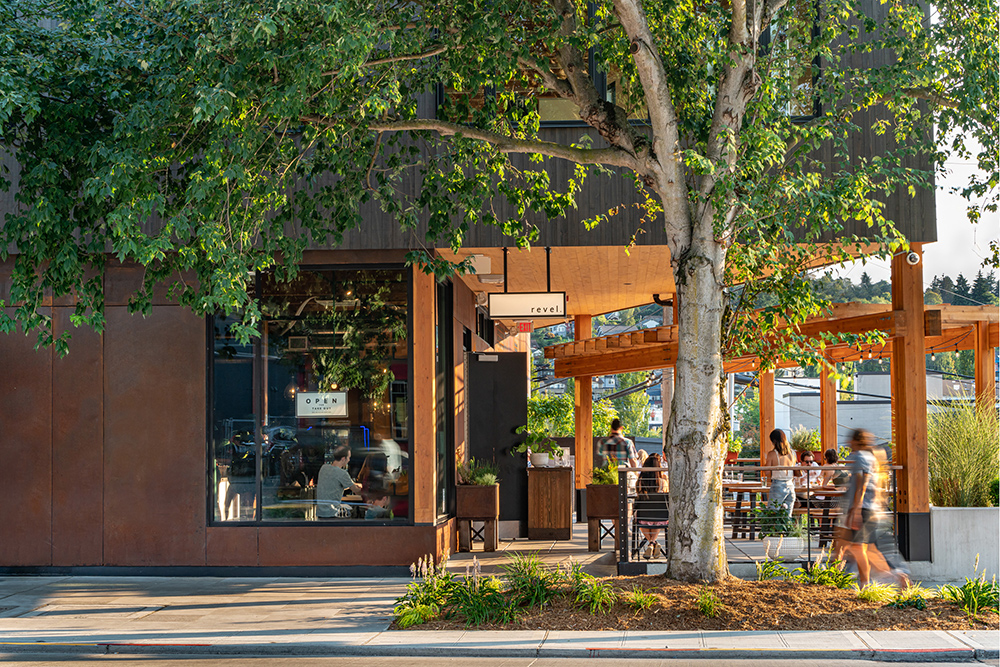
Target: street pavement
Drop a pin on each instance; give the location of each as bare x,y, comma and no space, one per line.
284,617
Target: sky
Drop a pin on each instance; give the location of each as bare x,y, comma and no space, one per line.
961,246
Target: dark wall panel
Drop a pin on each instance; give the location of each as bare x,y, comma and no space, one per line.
348,545
78,448
26,451
154,438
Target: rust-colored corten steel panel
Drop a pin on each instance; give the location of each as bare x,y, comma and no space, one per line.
78,448
232,546
347,545
154,437
26,452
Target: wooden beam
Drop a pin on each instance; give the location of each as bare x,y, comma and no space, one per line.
765,399
583,412
424,399
828,410
985,365
909,390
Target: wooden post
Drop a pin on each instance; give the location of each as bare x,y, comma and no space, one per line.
985,365
424,399
583,412
765,395
828,410
909,391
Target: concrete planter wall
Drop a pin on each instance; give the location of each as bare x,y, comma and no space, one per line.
957,535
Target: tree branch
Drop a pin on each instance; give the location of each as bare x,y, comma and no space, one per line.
430,53
738,30
612,156
556,85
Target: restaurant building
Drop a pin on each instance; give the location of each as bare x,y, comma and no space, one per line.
166,446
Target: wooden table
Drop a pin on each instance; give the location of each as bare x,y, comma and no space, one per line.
550,503
742,522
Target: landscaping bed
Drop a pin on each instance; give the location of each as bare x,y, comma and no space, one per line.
743,605
530,597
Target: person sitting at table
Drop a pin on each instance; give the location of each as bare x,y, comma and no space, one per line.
378,505
782,491
332,481
650,488
807,482
834,477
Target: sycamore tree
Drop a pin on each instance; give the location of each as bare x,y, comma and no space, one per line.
207,139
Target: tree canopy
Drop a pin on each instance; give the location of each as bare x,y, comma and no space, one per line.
212,138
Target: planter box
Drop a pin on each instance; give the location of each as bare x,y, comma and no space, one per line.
477,502
602,501
957,535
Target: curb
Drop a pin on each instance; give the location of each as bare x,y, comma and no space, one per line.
332,650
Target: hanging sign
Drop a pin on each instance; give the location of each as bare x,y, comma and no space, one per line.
532,305
321,404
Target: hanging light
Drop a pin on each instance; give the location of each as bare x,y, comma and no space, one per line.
933,357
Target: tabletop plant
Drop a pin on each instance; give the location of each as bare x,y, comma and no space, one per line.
773,520
537,442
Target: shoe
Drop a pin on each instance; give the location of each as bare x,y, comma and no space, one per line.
647,553
657,551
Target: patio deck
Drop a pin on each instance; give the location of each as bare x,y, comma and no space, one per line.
602,564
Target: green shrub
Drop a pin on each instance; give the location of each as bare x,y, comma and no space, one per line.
828,573
963,451
995,491
708,603
479,473
914,596
606,474
768,569
595,595
530,582
408,616
638,598
876,592
481,600
975,594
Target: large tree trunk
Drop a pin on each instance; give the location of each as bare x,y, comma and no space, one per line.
695,433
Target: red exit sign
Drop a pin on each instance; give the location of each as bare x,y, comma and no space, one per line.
524,327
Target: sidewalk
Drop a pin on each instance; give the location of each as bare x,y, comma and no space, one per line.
218,616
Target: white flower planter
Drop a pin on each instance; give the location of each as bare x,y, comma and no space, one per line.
540,460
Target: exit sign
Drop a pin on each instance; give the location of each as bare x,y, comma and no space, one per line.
524,327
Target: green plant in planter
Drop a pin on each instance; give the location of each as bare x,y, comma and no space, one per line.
538,443
773,521
606,474
804,440
735,443
477,473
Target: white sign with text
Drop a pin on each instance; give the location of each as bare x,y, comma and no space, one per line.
321,404
530,305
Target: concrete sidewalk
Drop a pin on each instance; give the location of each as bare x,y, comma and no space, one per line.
262,616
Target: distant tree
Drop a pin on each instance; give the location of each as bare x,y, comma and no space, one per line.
962,292
633,409
984,289
747,410
931,297
945,287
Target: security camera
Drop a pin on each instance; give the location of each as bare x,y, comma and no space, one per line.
912,258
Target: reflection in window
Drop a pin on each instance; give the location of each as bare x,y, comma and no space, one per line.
334,397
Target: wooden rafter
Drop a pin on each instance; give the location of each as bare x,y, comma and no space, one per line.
947,328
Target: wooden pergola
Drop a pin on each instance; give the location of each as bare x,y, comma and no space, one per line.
911,329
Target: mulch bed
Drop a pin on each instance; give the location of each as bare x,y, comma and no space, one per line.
745,605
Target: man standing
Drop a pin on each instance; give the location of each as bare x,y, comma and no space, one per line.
620,448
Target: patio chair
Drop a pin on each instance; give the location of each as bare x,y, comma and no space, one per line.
651,510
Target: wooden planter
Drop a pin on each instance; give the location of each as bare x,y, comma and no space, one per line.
477,503
602,503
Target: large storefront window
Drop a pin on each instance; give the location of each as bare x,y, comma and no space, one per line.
321,401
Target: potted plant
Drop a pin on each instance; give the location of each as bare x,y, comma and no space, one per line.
733,449
804,440
602,492
541,446
477,495
779,531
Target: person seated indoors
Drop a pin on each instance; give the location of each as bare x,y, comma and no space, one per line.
333,480
378,506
